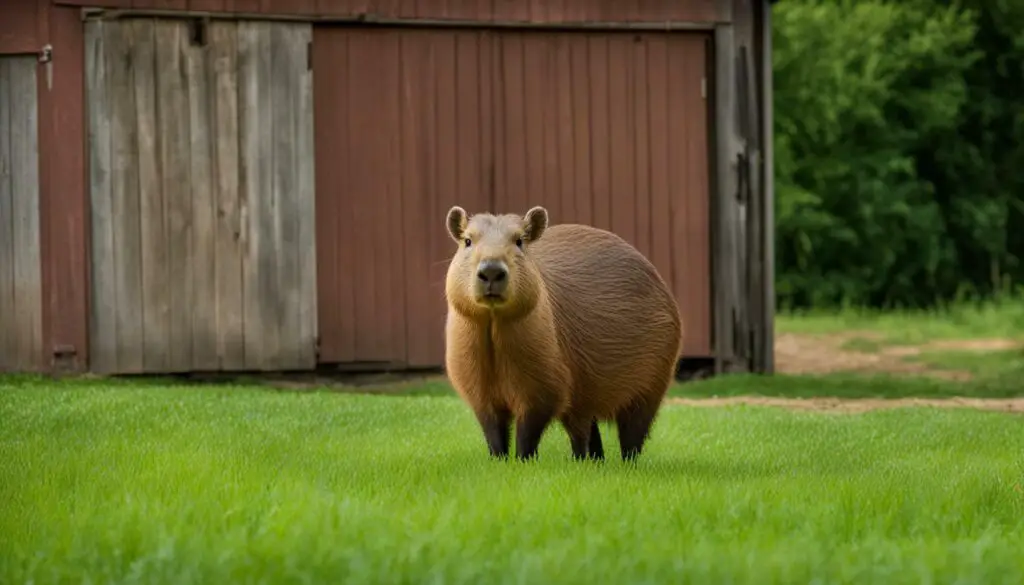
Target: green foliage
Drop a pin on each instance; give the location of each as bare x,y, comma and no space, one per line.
980,175
897,144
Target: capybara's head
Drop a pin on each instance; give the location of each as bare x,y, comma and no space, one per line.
492,271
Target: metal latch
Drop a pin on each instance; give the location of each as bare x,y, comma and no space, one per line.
46,57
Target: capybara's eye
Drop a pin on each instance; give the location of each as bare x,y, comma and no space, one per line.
519,242
468,242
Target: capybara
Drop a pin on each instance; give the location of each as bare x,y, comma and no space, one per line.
567,322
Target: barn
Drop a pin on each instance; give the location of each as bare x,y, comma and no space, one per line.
260,185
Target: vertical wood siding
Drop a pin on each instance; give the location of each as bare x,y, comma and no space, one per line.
608,129
21,335
201,173
18,27
403,134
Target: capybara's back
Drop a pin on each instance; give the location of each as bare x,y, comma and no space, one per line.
618,322
567,322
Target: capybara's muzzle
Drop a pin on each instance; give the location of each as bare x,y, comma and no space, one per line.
493,278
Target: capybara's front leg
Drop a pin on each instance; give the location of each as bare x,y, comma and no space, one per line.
529,429
495,424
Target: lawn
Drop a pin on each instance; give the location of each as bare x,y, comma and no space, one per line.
963,320
967,349
130,483
155,481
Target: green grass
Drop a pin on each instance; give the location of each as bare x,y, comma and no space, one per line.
1002,364
995,374
132,482
852,386
865,344
1003,319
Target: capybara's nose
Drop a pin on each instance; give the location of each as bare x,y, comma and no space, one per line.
492,271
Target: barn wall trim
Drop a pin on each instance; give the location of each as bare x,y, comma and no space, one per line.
726,251
372,20
64,228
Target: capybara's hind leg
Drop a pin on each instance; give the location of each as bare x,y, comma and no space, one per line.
634,423
584,437
529,429
579,437
595,447
495,424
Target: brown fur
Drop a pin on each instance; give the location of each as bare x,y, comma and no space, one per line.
587,331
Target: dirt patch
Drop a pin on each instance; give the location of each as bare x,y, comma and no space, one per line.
856,405
824,354
975,344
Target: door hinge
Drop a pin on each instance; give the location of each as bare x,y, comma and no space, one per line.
704,88
309,56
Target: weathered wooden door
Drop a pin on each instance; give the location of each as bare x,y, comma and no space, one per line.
201,171
610,129
404,132
21,297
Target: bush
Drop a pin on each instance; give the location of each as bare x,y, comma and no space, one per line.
884,195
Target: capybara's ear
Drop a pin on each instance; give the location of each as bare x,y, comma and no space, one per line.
456,223
536,222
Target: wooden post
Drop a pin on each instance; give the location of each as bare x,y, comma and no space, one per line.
726,253
768,187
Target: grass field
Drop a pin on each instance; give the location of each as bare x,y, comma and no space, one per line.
114,481
218,485
1003,318
974,350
